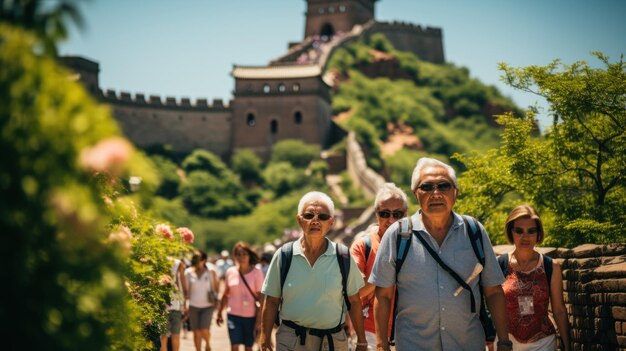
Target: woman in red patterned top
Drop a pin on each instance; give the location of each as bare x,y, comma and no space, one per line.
527,289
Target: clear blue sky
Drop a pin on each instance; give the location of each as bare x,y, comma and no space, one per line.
187,48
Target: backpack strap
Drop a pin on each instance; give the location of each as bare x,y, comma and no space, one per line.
403,243
368,246
547,266
343,258
286,254
503,261
476,239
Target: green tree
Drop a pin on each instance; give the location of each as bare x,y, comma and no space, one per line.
282,177
46,20
209,195
295,152
170,180
576,172
248,165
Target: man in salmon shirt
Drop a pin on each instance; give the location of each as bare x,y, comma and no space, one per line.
390,205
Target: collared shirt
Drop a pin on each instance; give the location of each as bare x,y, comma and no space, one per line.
430,317
312,295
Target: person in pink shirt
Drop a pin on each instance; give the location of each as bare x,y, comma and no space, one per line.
242,295
390,205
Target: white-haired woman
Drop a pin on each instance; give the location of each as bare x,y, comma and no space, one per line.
313,310
390,205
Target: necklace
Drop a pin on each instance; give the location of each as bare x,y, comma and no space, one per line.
526,266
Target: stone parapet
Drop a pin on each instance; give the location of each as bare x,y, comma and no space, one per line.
170,103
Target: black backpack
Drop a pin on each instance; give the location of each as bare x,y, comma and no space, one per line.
343,259
402,247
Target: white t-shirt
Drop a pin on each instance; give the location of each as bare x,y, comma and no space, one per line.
199,287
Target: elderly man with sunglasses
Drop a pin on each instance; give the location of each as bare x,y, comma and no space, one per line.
390,205
430,316
313,311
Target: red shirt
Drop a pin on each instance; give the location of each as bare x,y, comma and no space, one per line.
533,326
358,253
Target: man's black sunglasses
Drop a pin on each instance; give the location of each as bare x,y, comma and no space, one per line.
442,187
397,214
320,216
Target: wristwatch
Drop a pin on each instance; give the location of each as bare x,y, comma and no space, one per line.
507,343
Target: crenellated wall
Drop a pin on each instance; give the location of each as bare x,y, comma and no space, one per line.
425,42
183,125
594,284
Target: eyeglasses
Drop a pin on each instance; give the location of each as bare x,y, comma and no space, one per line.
429,187
397,214
320,216
521,231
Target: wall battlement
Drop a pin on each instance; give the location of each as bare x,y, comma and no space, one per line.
407,26
152,101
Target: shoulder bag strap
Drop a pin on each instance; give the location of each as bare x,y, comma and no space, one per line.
248,286
448,269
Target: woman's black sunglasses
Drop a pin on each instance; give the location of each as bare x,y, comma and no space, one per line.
321,216
386,214
442,187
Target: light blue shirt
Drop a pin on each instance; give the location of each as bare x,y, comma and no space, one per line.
312,295
430,317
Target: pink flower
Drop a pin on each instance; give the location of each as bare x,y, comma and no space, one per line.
186,234
165,231
143,260
165,279
122,237
107,155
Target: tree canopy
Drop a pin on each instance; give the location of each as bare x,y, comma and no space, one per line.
574,174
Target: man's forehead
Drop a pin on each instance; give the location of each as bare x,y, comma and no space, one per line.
315,204
434,172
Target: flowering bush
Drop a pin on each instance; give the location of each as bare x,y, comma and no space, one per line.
85,268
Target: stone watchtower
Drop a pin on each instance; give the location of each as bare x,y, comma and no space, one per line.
274,103
327,17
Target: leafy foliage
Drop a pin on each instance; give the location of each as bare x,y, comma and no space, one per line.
248,165
576,173
295,152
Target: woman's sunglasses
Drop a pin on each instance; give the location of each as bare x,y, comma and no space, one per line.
320,216
397,214
442,187
521,231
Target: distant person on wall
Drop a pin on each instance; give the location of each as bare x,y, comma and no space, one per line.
242,295
202,295
222,264
528,289
390,205
176,309
312,300
430,314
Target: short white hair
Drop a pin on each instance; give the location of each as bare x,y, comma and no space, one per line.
317,196
390,191
426,162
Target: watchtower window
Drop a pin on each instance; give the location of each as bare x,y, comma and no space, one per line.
281,88
274,126
327,31
250,119
342,8
266,88
297,117
296,87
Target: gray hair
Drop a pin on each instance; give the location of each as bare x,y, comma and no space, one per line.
389,191
426,162
317,196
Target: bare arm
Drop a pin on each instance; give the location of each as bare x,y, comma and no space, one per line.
223,303
356,316
382,310
497,306
270,311
183,283
558,305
